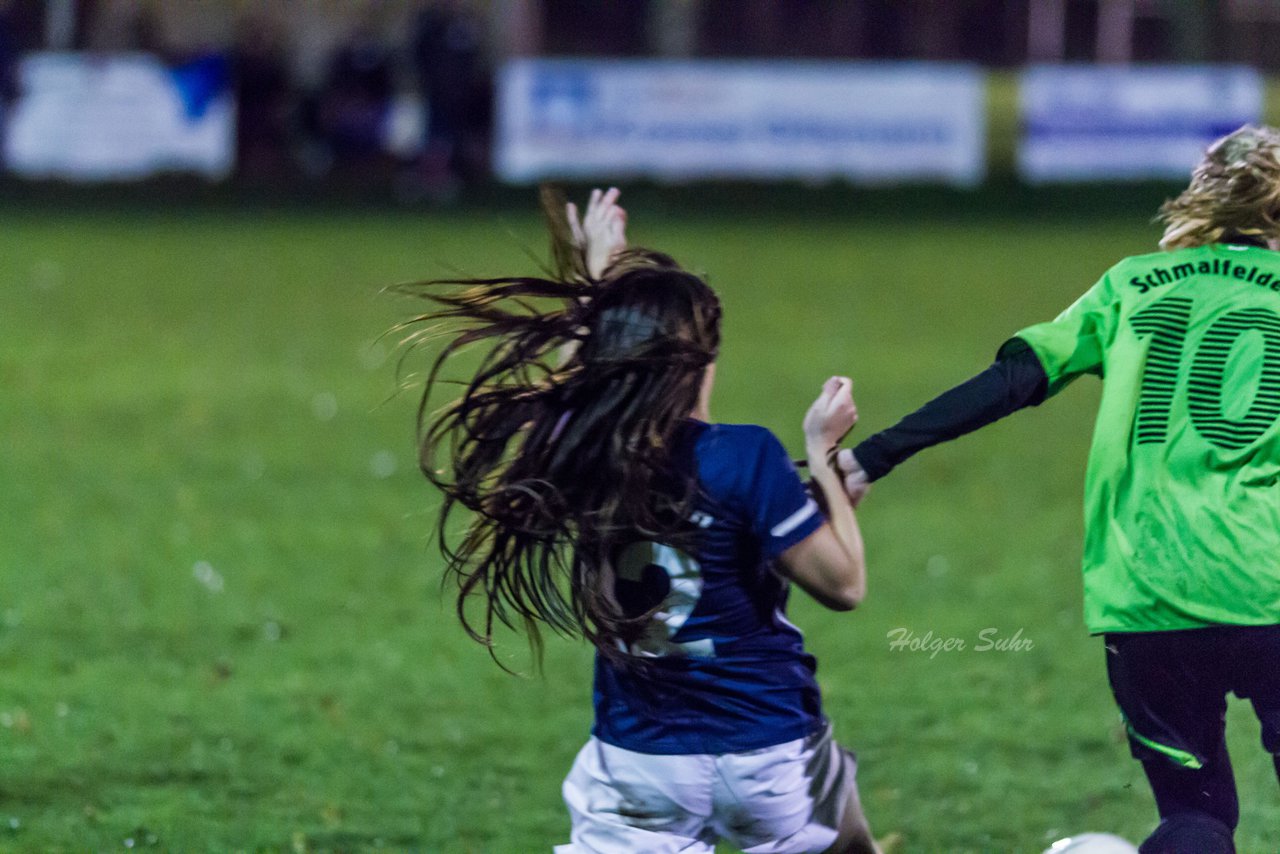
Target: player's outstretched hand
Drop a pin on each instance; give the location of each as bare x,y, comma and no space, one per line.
601,233
856,482
831,416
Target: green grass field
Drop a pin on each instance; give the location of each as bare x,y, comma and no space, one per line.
220,618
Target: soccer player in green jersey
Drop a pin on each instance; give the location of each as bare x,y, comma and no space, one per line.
1182,490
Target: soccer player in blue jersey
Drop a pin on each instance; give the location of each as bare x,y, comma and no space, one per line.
605,503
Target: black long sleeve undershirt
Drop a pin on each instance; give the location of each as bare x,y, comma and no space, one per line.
1015,380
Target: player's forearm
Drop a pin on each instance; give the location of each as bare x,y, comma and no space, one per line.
1011,383
841,518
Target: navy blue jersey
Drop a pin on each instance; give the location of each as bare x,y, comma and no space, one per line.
724,670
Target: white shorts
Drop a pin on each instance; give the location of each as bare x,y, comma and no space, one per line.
787,798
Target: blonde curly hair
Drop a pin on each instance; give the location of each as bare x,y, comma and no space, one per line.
1234,190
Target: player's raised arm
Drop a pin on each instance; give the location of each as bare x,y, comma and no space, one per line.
830,565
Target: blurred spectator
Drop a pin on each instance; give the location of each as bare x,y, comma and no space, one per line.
446,52
352,107
264,98
8,69
8,59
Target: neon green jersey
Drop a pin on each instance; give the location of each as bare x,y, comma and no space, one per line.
1182,492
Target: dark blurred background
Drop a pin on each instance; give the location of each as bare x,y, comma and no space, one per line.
400,94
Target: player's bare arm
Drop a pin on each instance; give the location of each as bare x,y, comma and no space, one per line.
830,565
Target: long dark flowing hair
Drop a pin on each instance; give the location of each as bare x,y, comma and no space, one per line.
561,444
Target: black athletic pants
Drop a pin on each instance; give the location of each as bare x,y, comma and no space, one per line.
1172,690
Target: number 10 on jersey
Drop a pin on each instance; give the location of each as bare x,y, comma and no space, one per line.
1167,323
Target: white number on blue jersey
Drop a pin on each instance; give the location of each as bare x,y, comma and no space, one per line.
684,575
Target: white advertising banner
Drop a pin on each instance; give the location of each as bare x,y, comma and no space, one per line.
92,118
675,120
1096,123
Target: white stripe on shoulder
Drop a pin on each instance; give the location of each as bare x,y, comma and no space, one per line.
789,524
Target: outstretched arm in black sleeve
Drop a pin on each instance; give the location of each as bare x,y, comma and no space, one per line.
1015,380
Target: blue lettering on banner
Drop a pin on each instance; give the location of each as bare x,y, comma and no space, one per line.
902,134
1086,126
675,132
562,98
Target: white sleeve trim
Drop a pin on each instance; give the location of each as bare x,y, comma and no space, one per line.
795,520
